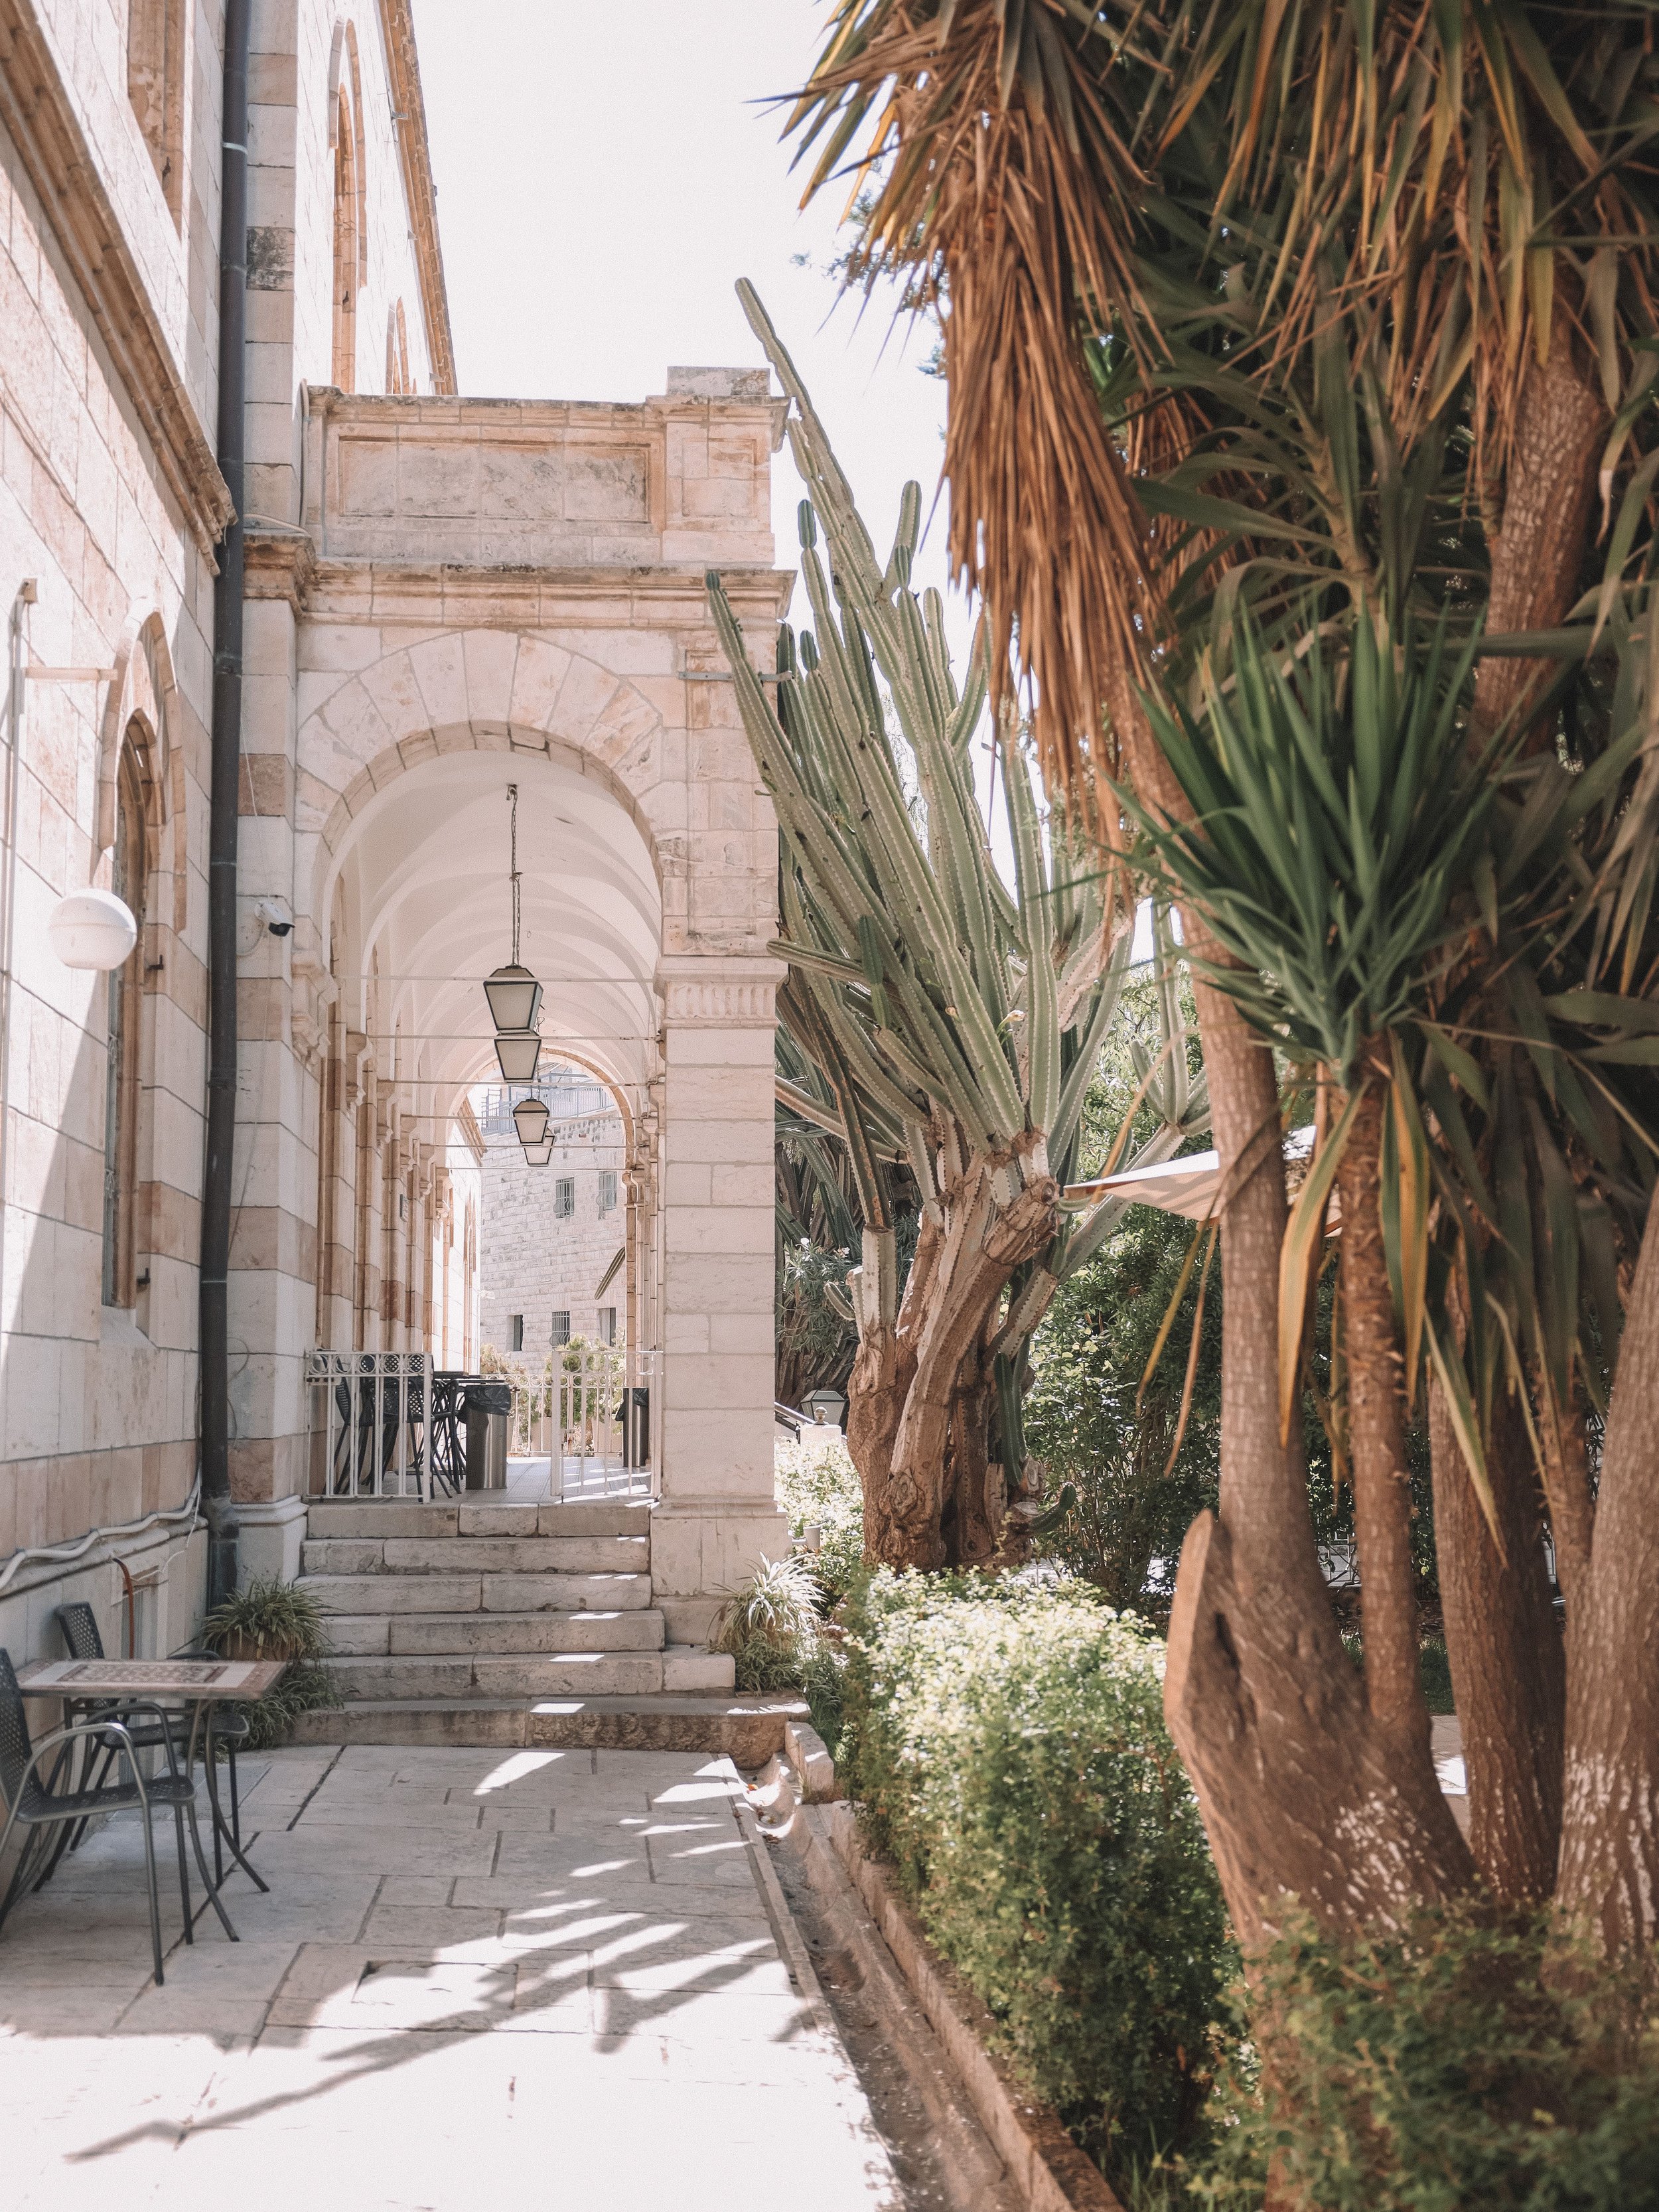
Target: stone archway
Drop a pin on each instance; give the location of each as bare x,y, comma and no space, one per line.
604,682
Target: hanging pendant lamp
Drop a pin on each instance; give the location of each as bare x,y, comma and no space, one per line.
537,1156
514,994
519,1053
530,1119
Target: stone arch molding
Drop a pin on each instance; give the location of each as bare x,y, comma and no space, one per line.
487,690
144,687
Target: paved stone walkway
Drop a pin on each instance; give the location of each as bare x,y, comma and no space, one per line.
542,1979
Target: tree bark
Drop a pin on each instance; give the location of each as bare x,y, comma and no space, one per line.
1376,1437
1567,1487
1608,1883
919,1400
1300,1794
1549,493
1509,1671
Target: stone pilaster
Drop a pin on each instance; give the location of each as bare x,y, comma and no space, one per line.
274,1258
717,1514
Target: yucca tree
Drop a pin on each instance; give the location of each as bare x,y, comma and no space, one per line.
1344,314
955,1024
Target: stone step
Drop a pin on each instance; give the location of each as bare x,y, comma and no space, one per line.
749,1728
424,1636
564,1674
379,1518
478,1592
489,1555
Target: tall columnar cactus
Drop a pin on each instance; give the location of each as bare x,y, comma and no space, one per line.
955,1026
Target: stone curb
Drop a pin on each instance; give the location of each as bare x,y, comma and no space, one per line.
881,2181
1051,2173
808,1753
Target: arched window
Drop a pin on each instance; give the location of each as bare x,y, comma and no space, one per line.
348,259
155,86
129,877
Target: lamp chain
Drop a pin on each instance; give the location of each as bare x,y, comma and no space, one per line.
513,800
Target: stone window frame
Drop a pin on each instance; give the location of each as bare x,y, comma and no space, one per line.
560,1330
606,1328
564,1198
607,1190
158,70
515,1331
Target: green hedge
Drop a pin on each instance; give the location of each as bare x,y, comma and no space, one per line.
1457,2063
1006,1746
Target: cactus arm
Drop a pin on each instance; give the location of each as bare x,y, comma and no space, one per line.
1042,1020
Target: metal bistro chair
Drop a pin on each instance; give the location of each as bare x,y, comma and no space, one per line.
446,1453
402,1405
29,1806
78,1624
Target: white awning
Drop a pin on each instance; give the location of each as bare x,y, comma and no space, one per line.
1185,1186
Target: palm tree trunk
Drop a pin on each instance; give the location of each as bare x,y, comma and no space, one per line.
1377,1433
1509,1673
1609,1882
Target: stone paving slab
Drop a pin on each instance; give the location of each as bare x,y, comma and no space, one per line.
544,1977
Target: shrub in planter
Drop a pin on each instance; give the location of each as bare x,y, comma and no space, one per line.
273,1619
769,1626
1431,2069
818,1487
1005,1743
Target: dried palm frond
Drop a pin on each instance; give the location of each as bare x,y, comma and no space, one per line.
1255,260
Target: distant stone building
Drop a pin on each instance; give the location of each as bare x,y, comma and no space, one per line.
552,1236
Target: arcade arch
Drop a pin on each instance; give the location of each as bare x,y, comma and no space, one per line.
417,892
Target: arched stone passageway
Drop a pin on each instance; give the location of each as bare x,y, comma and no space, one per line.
417,885
488,595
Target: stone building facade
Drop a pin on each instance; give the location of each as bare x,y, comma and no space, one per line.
554,1255
446,599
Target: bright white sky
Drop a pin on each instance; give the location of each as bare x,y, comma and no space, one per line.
606,173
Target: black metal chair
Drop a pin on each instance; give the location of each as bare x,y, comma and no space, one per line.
78,1624
30,1806
358,1454
447,1456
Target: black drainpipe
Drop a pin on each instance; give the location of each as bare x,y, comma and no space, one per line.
221,849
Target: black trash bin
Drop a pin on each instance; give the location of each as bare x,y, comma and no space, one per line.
635,1410
486,1407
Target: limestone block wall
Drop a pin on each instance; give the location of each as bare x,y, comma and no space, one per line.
176,254
533,1262
111,521
304,52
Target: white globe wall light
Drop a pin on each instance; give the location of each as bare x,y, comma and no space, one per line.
92,929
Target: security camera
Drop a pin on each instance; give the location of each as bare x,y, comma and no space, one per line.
273,917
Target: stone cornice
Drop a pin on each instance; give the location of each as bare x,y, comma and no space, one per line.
34,107
404,66
423,412
282,564
517,599
718,990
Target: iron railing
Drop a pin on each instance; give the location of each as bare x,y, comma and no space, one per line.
373,1434
383,1425
593,1420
